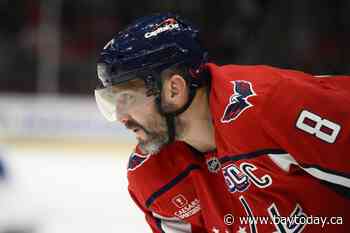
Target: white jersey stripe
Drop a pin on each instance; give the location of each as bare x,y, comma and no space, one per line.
332,178
285,160
173,224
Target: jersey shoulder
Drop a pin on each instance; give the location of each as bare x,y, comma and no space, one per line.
154,175
238,95
235,88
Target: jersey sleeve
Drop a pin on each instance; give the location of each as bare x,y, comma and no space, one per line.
162,186
162,224
309,118
151,221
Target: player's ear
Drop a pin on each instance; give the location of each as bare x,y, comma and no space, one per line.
175,91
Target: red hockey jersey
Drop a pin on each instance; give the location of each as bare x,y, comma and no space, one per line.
179,190
162,186
280,164
274,129
176,191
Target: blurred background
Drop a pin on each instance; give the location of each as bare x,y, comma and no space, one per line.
62,166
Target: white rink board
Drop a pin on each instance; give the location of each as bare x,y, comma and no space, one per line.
75,192
56,117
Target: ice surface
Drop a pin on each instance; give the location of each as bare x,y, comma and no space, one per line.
70,192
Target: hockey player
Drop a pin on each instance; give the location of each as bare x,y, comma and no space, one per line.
279,137
177,190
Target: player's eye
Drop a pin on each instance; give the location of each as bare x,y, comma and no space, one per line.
125,98
128,97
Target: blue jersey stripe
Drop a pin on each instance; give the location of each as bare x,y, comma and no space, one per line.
171,184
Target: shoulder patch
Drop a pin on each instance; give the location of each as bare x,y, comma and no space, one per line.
238,101
136,160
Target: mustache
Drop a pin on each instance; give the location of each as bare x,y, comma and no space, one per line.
131,124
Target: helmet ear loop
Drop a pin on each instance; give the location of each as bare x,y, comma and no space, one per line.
170,120
154,87
192,85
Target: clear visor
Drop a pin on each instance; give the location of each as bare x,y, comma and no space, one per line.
114,104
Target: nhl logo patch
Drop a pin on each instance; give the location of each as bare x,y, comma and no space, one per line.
214,164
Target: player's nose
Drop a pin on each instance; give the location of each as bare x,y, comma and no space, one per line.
122,118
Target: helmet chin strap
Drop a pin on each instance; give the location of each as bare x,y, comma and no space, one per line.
170,116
